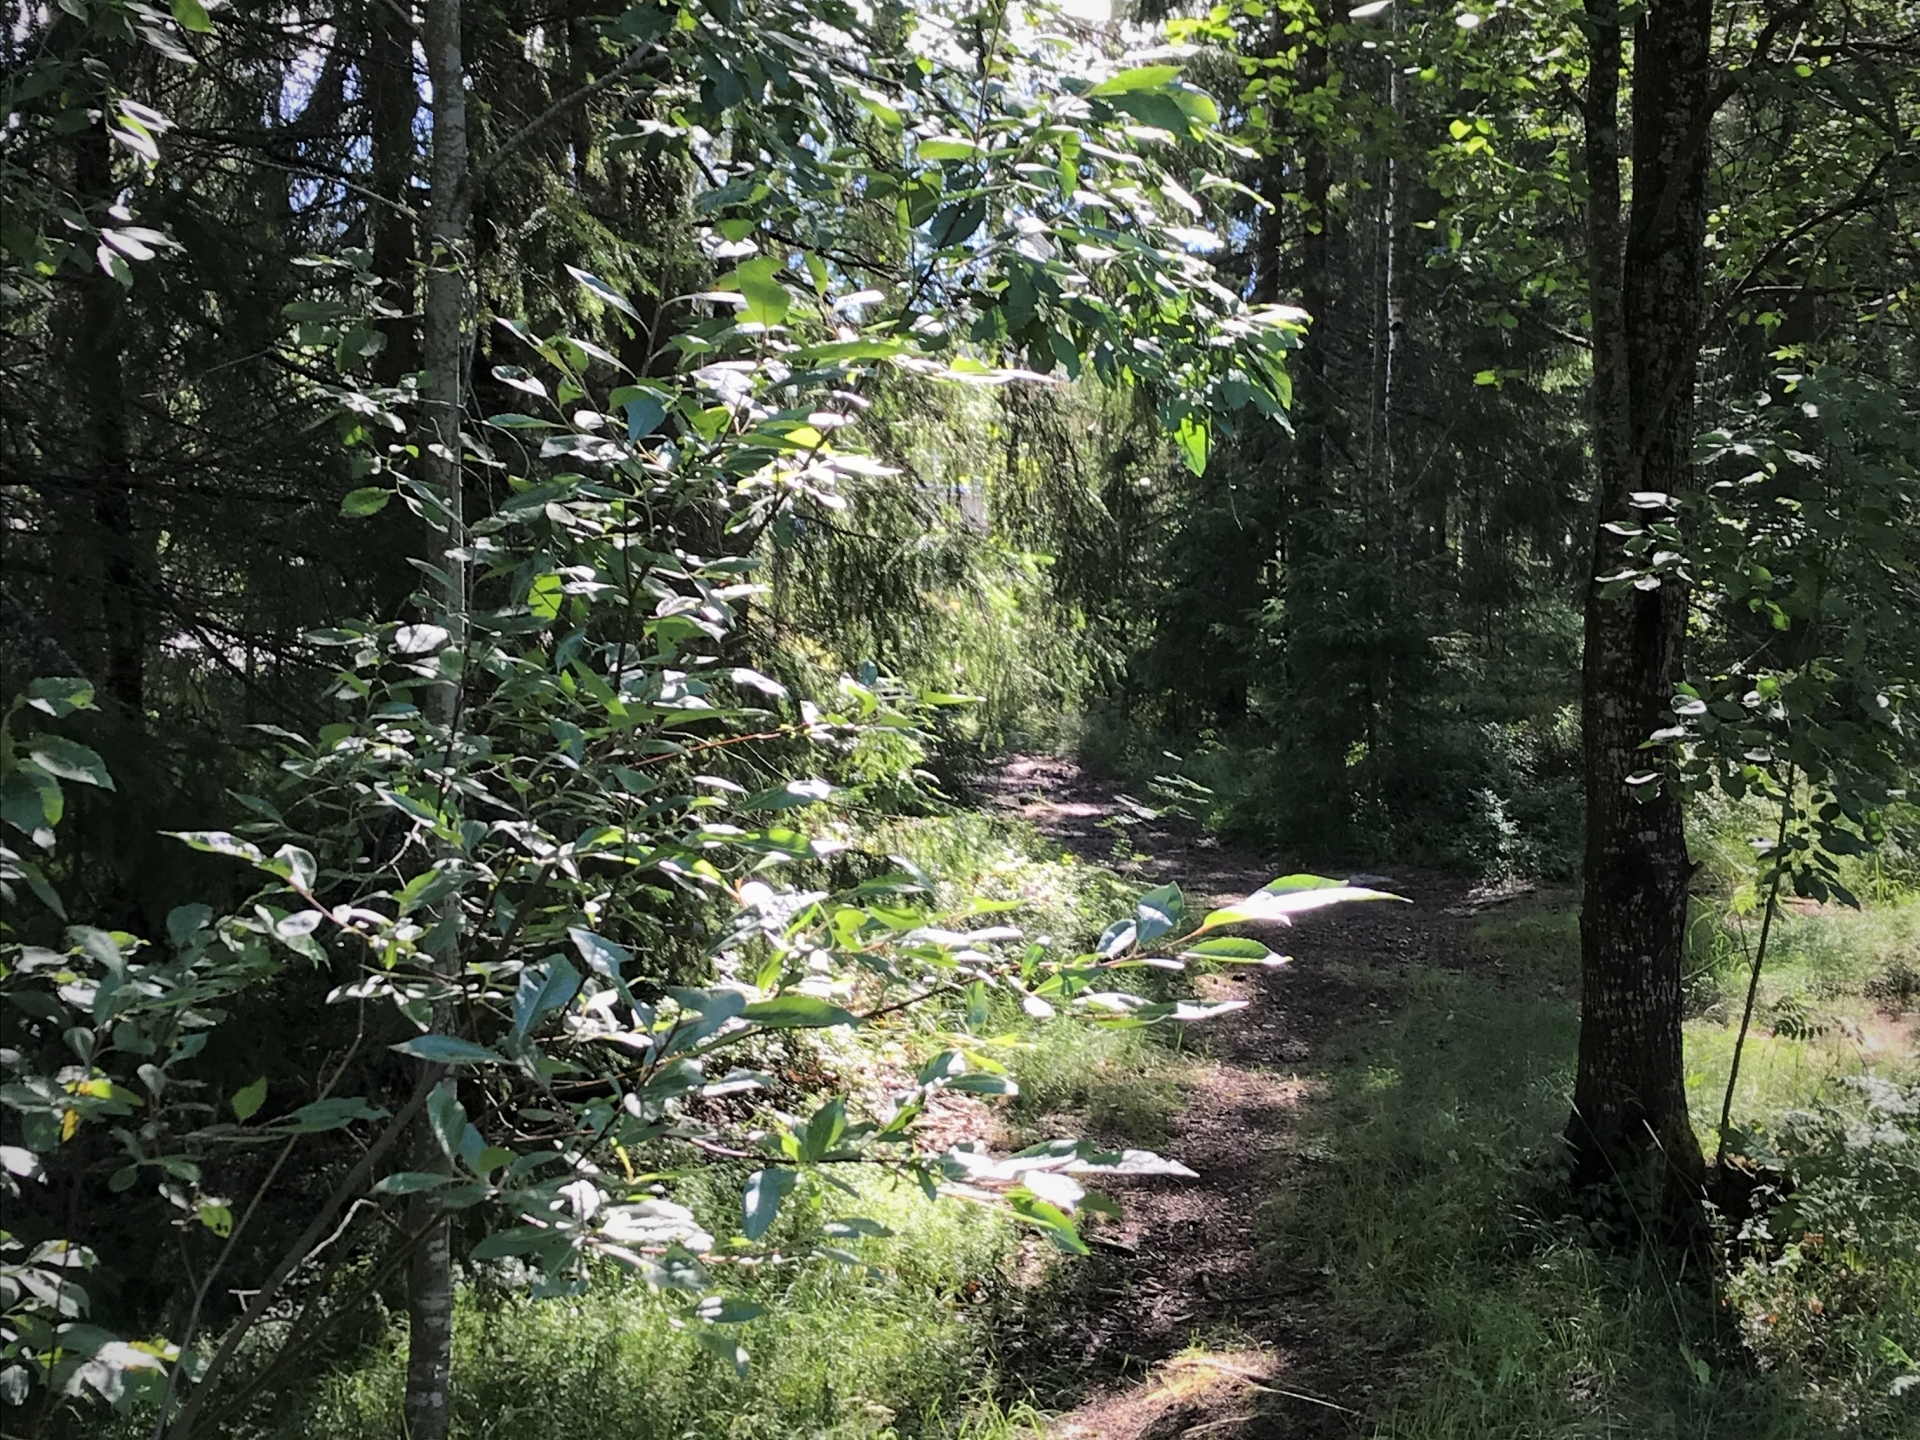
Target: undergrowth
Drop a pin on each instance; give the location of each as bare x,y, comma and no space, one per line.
1074,1078
899,1344
1497,797
840,1351
1412,1183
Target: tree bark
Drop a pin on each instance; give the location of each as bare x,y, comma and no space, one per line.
393,102
107,533
430,1273
1630,1118
1327,374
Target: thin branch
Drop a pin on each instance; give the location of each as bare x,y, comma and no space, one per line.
296,1255
1863,198
1759,958
477,179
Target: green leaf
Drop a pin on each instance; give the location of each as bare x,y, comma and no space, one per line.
248,1100
725,1310
1233,950
797,1012
792,795
447,1050
1057,1224
1194,439
954,224
69,761
518,1241
824,1130
369,500
977,1084
1288,896
1144,77
834,351
544,988
947,147
193,16
646,407
31,801
723,1346
219,842
328,1115
1158,911
37,882
767,299
603,957
604,291
186,921
545,595
60,696
447,1117
296,866
760,1203
410,1182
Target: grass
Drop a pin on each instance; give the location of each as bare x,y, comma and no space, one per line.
1472,1311
900,1345
1483,1315
840,1352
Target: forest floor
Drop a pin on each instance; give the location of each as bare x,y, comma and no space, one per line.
1187,1326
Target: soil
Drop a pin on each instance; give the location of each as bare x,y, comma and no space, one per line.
1183,1327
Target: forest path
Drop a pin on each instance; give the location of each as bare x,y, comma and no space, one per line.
1187,1329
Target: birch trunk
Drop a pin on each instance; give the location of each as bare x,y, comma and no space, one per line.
430,1272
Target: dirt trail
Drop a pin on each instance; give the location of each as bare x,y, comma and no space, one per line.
1182,1269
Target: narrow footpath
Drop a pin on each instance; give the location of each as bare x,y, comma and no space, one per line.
1189,1330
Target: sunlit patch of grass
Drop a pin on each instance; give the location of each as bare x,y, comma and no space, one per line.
841,1351
1118,1084
972,855
1111,1084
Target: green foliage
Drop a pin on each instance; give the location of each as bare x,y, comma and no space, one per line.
1826,1289
1497,799
1806,542
543,770
845,394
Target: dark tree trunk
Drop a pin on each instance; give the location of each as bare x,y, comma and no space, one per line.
104,523
1331,369
1630,1117
393,104
1318,393
394,226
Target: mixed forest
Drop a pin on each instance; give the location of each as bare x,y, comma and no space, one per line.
670,678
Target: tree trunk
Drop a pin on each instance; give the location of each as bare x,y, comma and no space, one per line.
1327,375
393,102
107,533
430,1275
1630,1104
